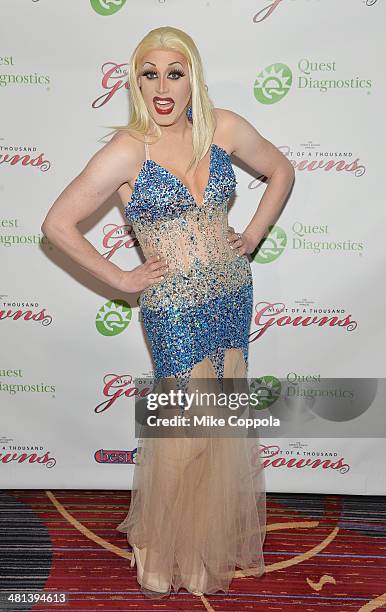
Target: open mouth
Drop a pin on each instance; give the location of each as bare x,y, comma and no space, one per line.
163,105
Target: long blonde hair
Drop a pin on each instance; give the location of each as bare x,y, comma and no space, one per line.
204,120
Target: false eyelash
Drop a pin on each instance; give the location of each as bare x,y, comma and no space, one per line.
177,71
174,71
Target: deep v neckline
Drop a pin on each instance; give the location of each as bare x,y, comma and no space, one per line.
187,190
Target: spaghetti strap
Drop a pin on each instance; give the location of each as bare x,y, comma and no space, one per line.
147,156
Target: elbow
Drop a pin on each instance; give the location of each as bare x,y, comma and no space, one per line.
292,174
291,177
55,230
49,228
290,169
289,173
46,228
285,171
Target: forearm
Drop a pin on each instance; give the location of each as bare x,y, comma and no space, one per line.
71,241
270,204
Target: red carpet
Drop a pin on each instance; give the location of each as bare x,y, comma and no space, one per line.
322,552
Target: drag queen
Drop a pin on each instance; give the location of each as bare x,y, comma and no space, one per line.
198,509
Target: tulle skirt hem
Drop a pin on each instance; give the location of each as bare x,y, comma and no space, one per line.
198,507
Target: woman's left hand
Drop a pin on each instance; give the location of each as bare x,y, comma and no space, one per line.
241,243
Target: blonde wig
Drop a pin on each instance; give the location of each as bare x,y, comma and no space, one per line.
204,120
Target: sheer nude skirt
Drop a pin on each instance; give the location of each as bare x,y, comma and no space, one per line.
198,504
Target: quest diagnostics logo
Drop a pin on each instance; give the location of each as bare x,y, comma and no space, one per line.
316,239
272,246
272,84
113,318
266,389
320,75
107,7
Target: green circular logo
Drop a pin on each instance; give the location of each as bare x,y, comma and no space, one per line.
267,389
272,245
113,318
272,84
107,7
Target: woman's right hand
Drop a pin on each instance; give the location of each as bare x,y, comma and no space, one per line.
149,273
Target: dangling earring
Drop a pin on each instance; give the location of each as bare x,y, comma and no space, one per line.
189,113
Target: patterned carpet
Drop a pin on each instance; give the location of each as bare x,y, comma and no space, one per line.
322,552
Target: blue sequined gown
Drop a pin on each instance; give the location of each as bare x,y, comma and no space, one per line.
198,505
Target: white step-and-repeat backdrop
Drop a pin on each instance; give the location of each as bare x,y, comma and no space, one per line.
308,74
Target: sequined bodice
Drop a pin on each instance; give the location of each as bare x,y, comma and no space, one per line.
168,221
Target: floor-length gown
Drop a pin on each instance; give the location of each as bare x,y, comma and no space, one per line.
198,504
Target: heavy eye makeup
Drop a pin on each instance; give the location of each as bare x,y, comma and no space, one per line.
175,71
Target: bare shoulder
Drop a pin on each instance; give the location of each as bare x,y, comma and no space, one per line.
128,149
119,155
229,125
247,143
222,136
105,173
223,115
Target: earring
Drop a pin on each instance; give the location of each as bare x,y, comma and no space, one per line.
189,113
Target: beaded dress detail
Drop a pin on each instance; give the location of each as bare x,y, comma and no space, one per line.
198,506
